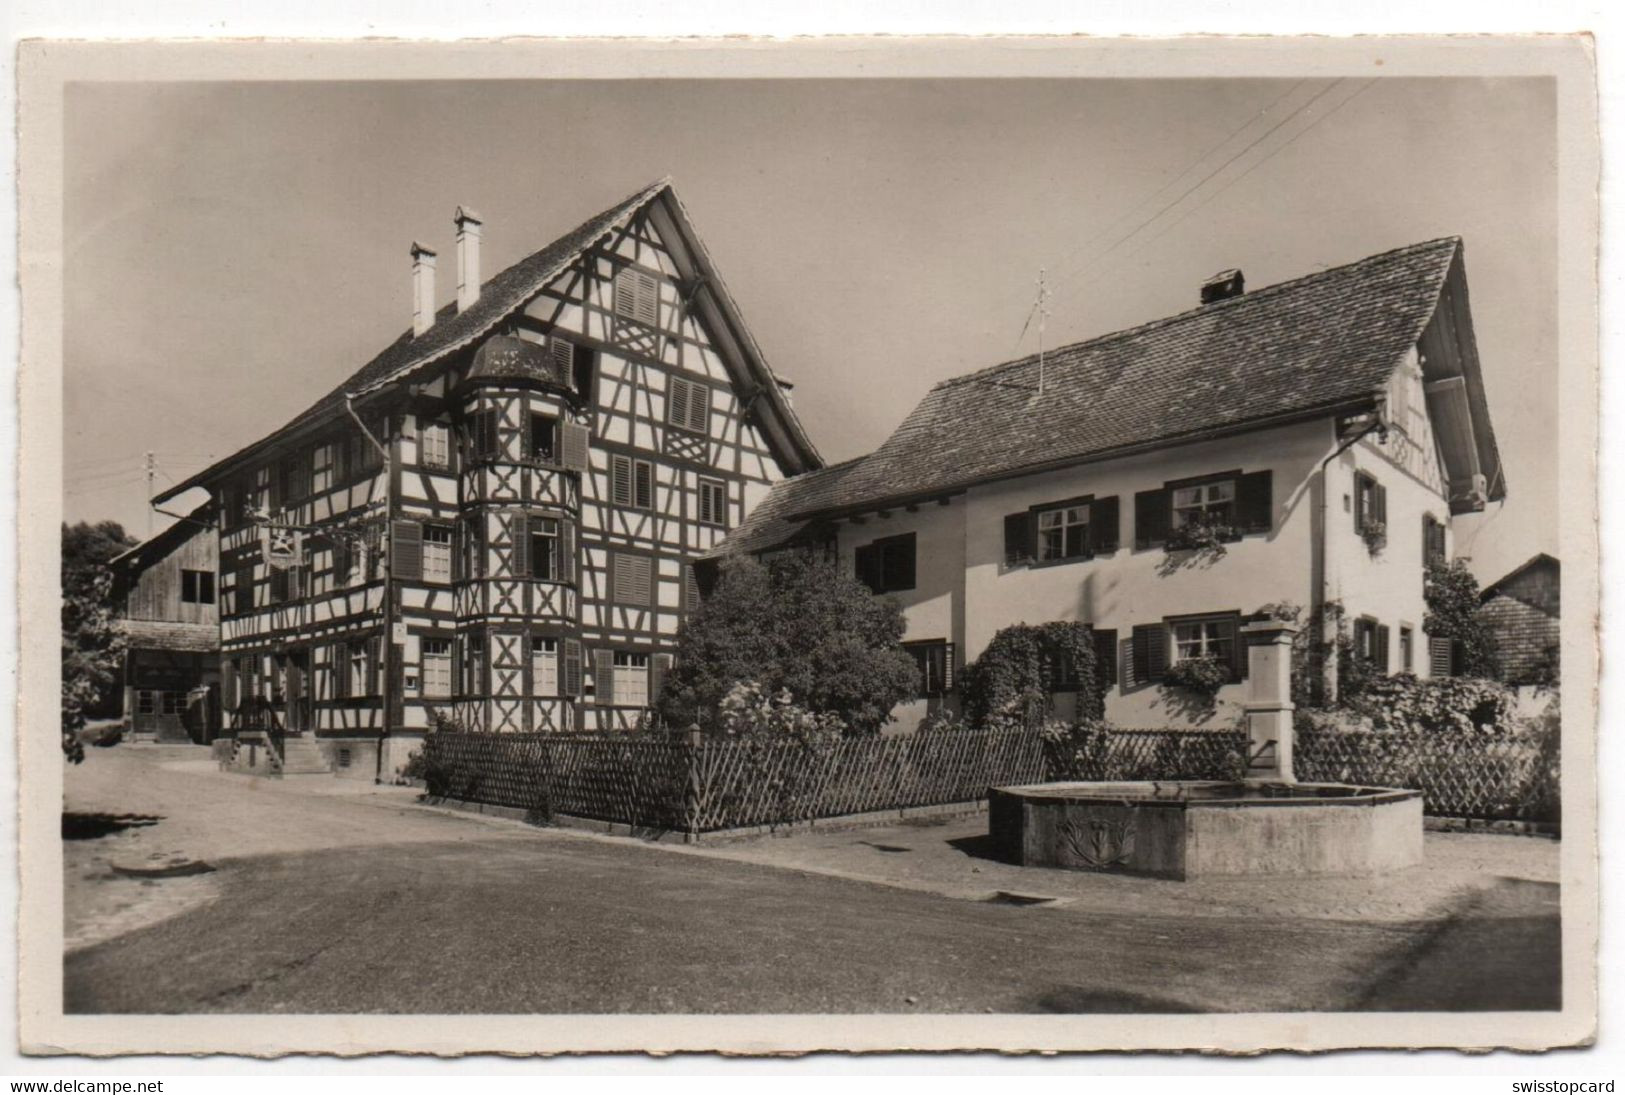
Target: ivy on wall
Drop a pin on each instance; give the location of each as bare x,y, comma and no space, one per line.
1015,679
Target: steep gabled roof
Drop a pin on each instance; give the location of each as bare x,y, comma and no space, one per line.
161,543
1316,345
508,292
1540,559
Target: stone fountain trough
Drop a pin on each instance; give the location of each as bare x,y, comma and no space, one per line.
1263,826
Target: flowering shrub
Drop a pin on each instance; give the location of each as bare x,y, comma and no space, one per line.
1201,535
1375,535
747,711
1204,676
1437,705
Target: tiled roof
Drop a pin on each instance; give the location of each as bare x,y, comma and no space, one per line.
453,330
1315,343
768,525
168,635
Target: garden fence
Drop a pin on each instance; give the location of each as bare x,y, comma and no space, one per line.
718,784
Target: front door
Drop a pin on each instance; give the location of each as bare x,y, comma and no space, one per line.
296,709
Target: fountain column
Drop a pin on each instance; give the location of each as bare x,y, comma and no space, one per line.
1269,699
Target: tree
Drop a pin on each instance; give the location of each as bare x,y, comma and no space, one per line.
1452,613
92,644
797,623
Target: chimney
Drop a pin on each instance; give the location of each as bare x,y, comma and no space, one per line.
468,257
422,289
1223,286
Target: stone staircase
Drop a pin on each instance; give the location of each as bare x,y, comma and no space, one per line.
301,756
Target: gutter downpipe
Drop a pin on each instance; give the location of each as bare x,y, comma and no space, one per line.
386,545
1328,626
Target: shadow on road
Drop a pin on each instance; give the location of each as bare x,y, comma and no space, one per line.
80,826
1073,1000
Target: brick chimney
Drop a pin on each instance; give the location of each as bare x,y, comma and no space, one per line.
468,257
422,289
1222,286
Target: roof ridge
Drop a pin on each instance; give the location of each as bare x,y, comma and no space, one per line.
1201,309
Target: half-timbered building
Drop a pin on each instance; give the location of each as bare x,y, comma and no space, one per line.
496,519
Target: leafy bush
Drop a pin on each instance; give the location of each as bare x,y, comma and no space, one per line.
1203,676
797,623
1375,535
1436,706
1201,535
1012,683
747,711
1452,613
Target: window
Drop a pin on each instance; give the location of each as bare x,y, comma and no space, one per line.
437,553
1205,504
544,548
291,482
631,679
473,547
543,434
1063,533
1407,650
1211,638
688,405
1370,505
1371,642
322,461
146,703
434,446
632,578
934,659
281,585
436,667
544,667
713,508
358,669
631,482
480,435
637,296
245,589
1433,542
197,587
473,664
887,566
174,703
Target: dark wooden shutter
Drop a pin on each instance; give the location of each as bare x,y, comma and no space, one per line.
570,667
677,402
901,554
572,442
633,583
1105,640
699,408
659,666
341,670
1150,652
867,565
1150,518
620,479
603,677
1382,647
1104,524
1255,502
520,530
567,552
691,587
374,664
1380,497
406,550
457,683
1441,656
1238,652
643,486
1018,539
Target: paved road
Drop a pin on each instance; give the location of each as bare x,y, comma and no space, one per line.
505,920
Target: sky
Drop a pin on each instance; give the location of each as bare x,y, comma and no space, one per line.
234,250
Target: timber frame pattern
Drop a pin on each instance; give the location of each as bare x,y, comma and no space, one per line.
520,553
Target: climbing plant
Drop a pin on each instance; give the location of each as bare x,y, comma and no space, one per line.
1452,613
1016,676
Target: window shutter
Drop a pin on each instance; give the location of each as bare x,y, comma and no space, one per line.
643,487
573,446
947,667
1380,497
903,552
632,582
1238,651
1255,503
273,493
563,353
620,480
659,666
1103,526
1382,647
571,668
522,562
567,551
406,550
603,677
1018,539
341,670
457,682
867,565
691,587
648,299
1427,539
1441,656
374,664
1150,652
699,408
1105,640
1150,518
677,402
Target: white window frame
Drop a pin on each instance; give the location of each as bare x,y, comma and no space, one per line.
358,670
1214,637
435,667
434,445
437,553
544,666
631,679
323,467
1061,523
1204,499
707,487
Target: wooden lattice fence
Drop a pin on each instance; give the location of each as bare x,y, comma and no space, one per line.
724,784
1116,754
1494,776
